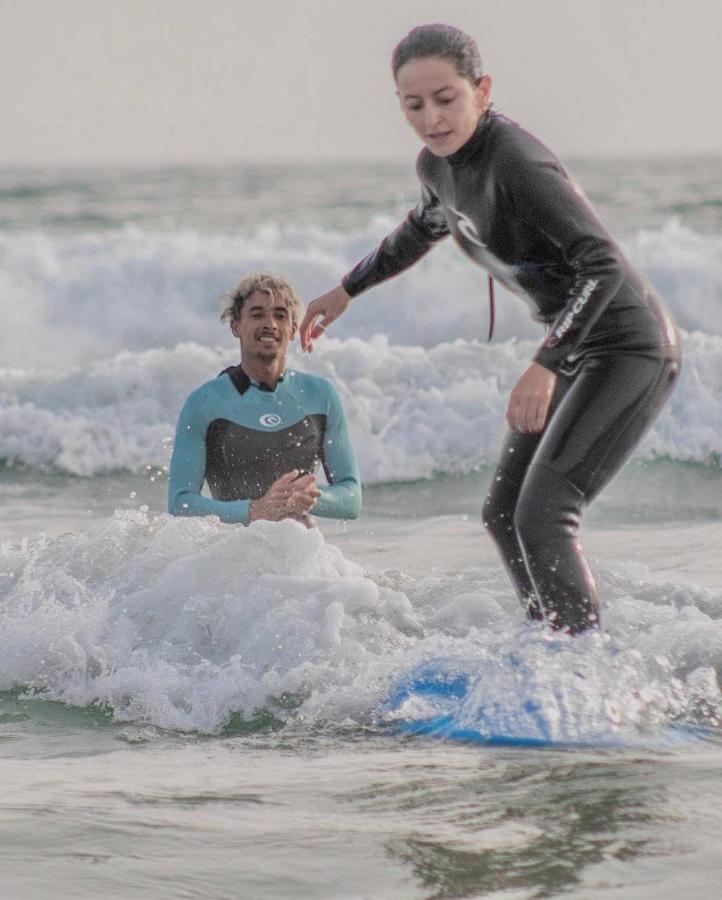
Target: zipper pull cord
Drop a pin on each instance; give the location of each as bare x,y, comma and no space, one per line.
491,309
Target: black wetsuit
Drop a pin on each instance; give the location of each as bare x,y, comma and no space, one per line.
509,204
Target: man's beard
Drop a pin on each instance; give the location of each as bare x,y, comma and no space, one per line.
267,356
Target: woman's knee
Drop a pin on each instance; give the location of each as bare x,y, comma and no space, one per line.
497,514
532,524
548,509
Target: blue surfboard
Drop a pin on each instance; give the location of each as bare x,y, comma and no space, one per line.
427,701
444,699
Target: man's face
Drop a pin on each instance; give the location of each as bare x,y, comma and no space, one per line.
264,329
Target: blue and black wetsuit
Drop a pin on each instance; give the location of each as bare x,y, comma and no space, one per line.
509,204
241,436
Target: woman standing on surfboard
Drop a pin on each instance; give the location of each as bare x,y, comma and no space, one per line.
611,355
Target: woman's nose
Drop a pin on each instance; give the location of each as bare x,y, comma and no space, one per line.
432,115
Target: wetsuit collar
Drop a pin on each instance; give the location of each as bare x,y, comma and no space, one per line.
262,386
474,143
242,381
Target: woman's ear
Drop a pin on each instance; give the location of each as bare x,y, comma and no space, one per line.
235,328
484,92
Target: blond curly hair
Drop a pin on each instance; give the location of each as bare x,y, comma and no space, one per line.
273,285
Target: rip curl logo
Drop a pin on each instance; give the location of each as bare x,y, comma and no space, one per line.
270,420
467,228
578,306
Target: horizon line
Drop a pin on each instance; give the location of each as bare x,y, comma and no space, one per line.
282,161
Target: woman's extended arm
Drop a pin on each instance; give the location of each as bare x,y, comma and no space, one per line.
398,251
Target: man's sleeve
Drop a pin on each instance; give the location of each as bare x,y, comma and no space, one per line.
188,468
424,226
544,198
342,498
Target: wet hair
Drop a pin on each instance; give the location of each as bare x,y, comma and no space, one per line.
444,41
273,285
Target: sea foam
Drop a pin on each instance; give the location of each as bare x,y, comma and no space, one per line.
104,335
75,299
191,625
413,411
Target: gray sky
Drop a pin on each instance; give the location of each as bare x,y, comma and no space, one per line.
175,80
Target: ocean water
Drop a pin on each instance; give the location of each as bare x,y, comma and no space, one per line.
191,709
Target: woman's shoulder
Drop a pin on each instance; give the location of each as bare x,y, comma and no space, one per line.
515,144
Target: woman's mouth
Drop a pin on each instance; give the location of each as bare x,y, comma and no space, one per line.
438,136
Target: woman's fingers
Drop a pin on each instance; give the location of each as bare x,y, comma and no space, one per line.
307,326
541,413
313,327
318,328
534,419
320,314
527,414
529,401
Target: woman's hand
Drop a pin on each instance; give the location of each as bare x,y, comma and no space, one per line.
328,308
530,399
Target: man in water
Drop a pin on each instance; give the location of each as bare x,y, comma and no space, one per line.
256,433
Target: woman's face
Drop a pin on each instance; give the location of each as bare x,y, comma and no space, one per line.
441,106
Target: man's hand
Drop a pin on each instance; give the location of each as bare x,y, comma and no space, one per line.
290,497
530,399
328,308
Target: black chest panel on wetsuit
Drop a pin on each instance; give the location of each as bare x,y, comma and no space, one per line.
244,462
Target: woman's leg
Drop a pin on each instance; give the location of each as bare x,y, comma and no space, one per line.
501,503
596,421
